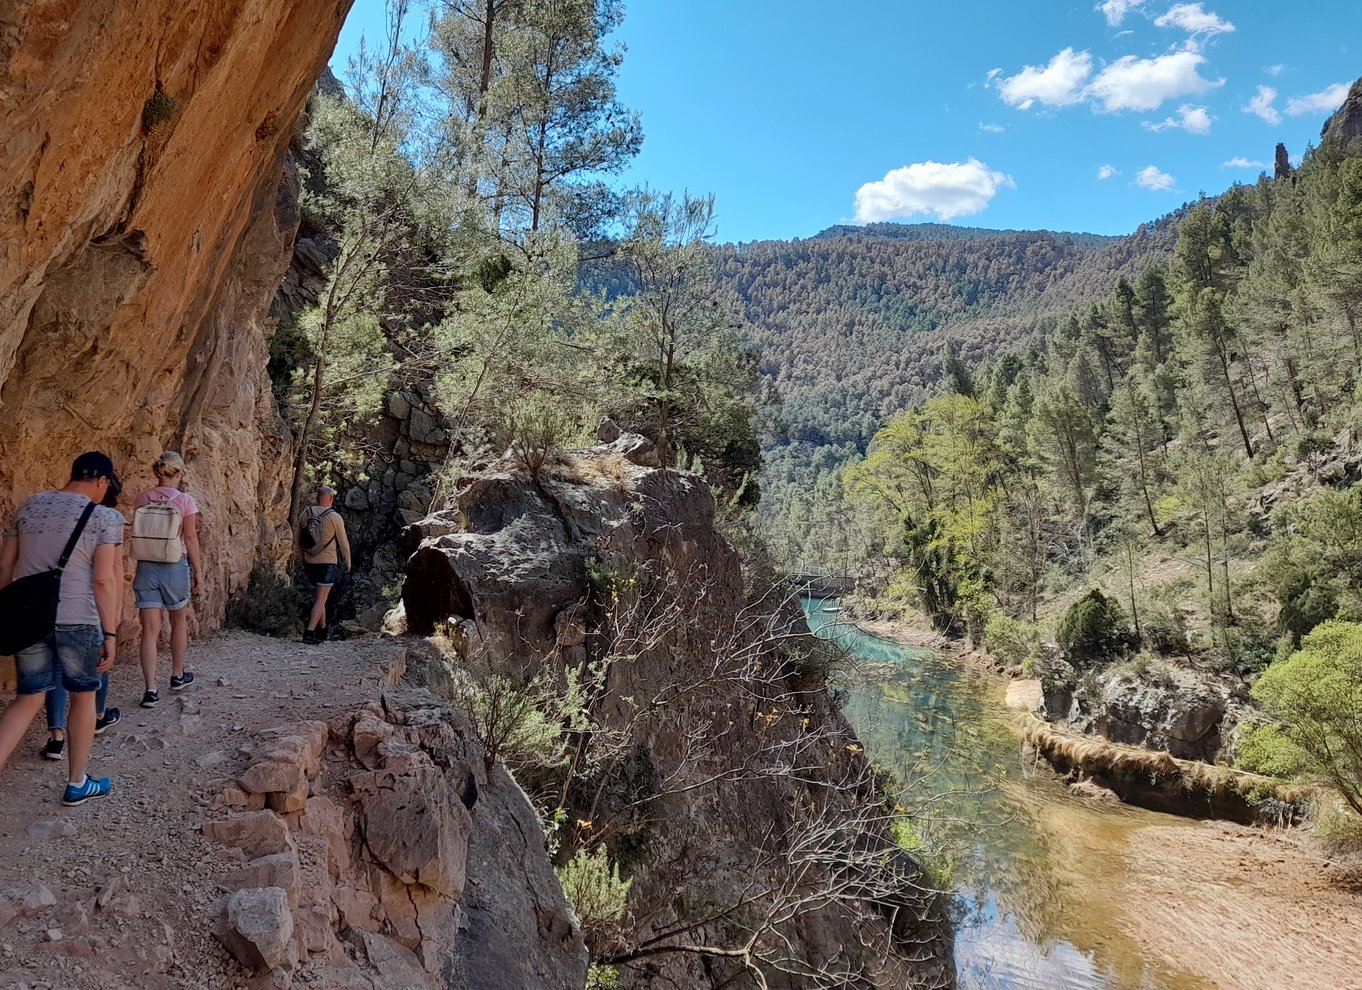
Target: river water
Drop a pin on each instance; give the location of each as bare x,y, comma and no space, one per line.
1038,872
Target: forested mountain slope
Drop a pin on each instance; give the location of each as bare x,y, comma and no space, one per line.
856,324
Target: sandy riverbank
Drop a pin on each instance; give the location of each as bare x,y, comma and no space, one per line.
1242,908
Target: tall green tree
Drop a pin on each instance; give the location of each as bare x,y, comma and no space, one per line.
380,204
1134,439
1063,438
674,337
1208,267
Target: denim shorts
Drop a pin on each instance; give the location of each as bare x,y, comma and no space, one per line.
162,585
69,657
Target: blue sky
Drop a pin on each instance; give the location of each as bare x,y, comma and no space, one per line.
1023,114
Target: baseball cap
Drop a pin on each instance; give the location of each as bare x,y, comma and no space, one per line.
92,465
325,490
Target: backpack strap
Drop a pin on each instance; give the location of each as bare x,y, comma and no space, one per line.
326,512
75,536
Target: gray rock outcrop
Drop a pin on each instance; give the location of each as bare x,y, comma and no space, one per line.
1344,126
522,570
399,861
1182,712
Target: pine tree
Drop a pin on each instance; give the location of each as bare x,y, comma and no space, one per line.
1134,439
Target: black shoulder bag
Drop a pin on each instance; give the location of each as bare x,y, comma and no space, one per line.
28,606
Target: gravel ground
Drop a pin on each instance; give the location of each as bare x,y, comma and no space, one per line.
119,890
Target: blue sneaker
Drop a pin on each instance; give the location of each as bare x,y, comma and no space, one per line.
92,788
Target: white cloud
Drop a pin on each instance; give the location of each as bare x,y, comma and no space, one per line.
1193,120
1116,10
1261,105
1274,70
991,128
1194,20
1132,83
1241,162
1150,177
1058,84
1325,101
1108,172
944,190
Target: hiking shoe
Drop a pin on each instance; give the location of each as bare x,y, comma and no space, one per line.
110,716
181,682
54,749
309,637
149,699
92,788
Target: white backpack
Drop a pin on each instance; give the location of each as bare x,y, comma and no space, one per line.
157,529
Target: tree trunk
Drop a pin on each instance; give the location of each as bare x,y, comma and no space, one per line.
1234,398
305,438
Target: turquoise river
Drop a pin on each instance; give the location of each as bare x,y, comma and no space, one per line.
1037,871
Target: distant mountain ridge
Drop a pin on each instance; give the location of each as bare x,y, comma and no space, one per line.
854,323
950,232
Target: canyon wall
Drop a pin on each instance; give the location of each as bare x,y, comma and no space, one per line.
147,220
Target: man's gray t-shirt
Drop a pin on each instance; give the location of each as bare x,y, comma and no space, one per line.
43,525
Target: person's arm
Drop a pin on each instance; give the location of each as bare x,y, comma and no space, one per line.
108,599
9,557
342,542
191,547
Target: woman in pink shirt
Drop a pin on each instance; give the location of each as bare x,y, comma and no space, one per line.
165,584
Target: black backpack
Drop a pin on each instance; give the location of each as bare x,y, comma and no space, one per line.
28,606
312,530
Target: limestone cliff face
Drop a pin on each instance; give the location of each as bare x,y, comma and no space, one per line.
1345,125
147,221
733,759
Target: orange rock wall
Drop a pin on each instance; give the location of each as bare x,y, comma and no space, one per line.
138,256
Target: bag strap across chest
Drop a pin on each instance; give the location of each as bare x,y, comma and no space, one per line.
70,547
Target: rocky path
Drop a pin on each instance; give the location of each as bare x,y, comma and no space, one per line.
118,893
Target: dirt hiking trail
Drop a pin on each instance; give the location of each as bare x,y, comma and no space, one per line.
117,893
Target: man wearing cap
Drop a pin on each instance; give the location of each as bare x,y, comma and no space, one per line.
85,640
326,560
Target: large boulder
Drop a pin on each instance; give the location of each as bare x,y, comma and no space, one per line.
256,926
1178,710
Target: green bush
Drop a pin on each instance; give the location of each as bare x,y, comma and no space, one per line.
602,977
535,429
1314,560
1093,630
1313,700
521,723
598,895
1013,641
159,108
269,605
1163,627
